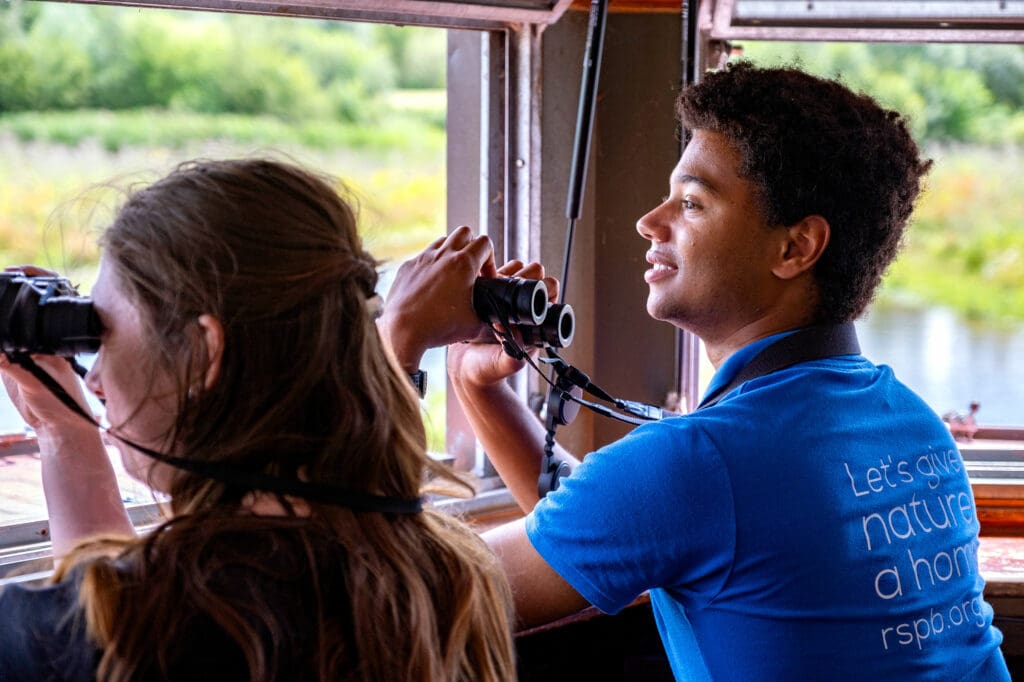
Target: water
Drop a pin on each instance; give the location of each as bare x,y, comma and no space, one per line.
949,361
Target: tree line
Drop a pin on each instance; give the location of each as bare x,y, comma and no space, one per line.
56,56
950,92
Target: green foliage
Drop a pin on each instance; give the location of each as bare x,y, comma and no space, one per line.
60,57
965,248
23,61
964,93
422,60
420,55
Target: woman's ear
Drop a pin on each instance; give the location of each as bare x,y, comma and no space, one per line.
213,335
804,243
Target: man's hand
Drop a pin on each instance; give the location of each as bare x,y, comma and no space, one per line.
431,301
482,362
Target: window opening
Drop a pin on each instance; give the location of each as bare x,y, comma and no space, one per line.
92,93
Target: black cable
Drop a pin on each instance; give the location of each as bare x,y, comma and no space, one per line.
643,412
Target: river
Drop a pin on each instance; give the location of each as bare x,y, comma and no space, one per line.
949,361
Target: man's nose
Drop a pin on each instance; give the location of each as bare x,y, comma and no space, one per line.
653,226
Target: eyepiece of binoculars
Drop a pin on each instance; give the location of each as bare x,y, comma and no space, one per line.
523,304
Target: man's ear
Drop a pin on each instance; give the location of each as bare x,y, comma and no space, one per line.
803,245
213,335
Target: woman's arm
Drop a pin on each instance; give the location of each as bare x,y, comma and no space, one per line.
82,496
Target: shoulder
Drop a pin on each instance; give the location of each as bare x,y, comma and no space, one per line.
672,465
43,633
666,439
799,397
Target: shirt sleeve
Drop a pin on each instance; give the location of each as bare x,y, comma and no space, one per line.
43,634
653,510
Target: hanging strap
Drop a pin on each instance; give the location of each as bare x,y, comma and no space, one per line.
803,345
234,476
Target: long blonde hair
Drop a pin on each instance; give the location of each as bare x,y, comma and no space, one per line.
306,390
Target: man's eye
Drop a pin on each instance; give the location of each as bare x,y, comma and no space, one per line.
689,205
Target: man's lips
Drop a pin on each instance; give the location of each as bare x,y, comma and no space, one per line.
663,267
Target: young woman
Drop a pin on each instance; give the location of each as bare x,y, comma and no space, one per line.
244,376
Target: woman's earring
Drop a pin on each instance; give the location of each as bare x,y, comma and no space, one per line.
192,393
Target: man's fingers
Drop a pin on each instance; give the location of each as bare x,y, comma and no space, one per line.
480,250
459,237
552,284
488,269
531,271
510,268
436,244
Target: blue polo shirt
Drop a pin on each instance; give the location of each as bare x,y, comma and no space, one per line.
816,524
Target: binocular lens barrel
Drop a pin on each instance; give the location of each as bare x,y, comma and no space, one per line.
45,315
523,304
68,326
510,300
556,331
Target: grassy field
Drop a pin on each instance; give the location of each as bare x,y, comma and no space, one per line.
964,249
55,198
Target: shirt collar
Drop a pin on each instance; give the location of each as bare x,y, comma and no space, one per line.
738,360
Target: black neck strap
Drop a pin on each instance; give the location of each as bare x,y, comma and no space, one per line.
233,476
803,345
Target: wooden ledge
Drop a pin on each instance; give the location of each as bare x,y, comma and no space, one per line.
1001,561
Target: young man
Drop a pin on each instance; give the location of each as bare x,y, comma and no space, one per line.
816,522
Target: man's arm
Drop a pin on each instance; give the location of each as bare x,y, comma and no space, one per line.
540,594
431,303
510,434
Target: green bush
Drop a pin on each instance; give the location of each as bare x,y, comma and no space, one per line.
965,246
17,79
948,92
71,56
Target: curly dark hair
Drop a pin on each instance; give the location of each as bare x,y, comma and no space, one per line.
813,147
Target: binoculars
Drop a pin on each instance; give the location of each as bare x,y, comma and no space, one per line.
45,315
522,304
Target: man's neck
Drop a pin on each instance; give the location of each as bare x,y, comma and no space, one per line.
720,346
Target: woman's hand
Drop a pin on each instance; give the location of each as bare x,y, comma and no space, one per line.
482,361
431,301
82,495
38,406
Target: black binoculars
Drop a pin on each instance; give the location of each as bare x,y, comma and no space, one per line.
45,315
522,304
